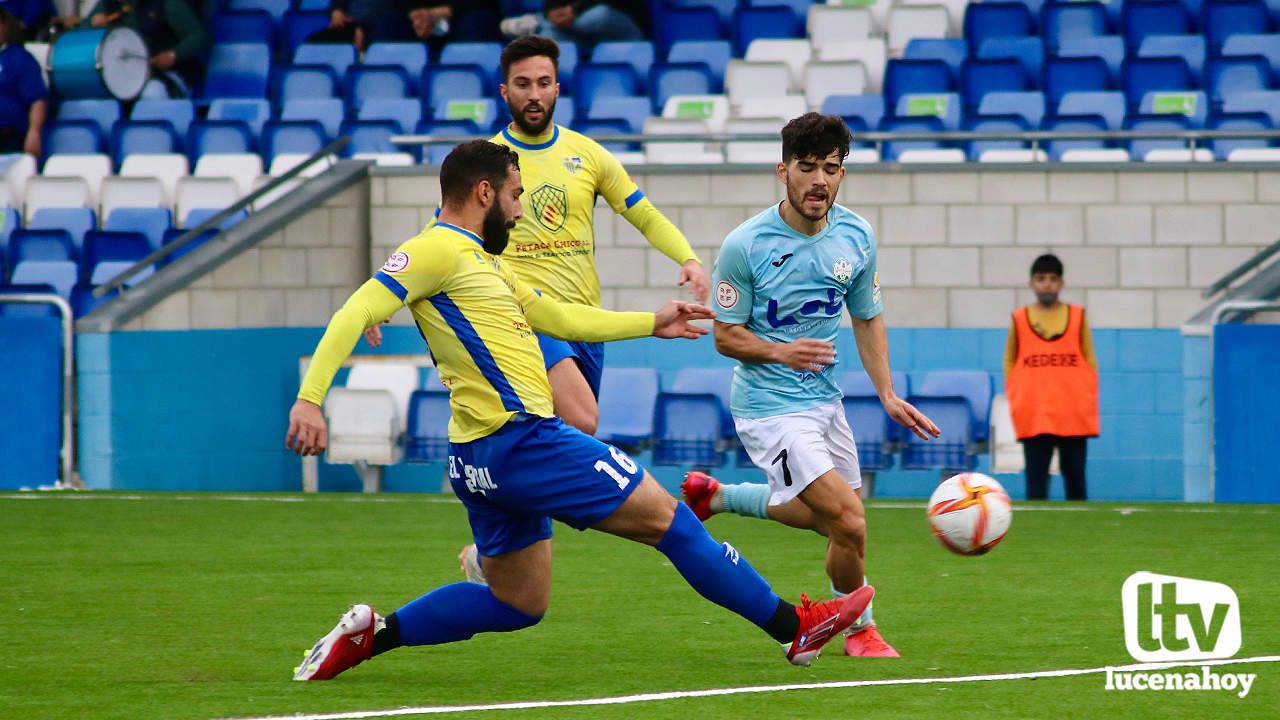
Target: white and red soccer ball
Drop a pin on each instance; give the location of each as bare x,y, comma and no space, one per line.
969,513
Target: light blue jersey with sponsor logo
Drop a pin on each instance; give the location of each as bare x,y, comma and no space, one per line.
784,285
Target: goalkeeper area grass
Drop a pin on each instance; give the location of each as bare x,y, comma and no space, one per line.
200,606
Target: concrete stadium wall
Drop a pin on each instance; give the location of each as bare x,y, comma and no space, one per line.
1139,244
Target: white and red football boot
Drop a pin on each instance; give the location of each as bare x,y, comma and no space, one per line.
824,621
698,488
347,645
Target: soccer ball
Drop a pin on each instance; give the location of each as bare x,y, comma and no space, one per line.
969,513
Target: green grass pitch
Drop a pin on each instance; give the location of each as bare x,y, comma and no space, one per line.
199,606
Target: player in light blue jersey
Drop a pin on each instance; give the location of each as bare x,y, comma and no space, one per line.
780,283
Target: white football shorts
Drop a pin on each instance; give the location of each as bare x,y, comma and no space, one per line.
794,449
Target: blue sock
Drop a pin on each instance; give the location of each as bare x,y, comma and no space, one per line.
750,499
456,612
716,571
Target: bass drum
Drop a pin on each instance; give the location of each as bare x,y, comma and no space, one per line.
98,63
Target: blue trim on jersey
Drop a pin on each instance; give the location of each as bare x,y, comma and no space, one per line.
392,284
555,135
437,212
480,355
464,231
634,198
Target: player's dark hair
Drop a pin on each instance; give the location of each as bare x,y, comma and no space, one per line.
473,161
815,135
527,47
1047,264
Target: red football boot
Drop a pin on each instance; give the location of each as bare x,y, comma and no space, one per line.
698,489
819,623
868,643
347,645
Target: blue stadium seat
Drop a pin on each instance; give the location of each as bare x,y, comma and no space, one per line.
1264,101
857,384
327,111
595,128
253,112
403,113
297,82
118,250
631,110
172,235
1238,121
951,451
975,386
371,136
315,5
1064,75
1027,105
1267,46
427,436
1194,106
291,136
636,53
1109,48
1150,74
337,56
902,76
218,136
1105,104
979,77
906,126
150,222
946,107
48,244
195,216
862,113
995,124
996,19
687,430
58,274
410,56
1139,147
375,81
1083,123
256,26
567,66
482,111
1140,18
76,221
1063,22
627,400
435,154
870,425
144,137
80,137
679,24
1027,50
715,53
10,220
103,112
951,51
753,23
275,8
1224,77
1190,48
178,113
442,83
715,380
299,25
485,55
83,302
238,70
1223,18
598,80
667,79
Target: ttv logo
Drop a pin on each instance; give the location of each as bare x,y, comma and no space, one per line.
1174,618
829,308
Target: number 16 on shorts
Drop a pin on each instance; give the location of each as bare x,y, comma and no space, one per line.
623,461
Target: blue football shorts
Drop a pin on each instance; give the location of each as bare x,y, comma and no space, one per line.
590,357
533,470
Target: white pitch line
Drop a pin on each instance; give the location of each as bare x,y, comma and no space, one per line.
681,694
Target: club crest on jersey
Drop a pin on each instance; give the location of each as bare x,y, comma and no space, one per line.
875,287
550,205
726,295
842,270
571,164
397,262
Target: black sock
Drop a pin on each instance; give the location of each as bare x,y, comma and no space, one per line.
782,627
388,638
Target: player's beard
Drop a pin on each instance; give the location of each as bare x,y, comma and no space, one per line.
532,129
496,230
796,198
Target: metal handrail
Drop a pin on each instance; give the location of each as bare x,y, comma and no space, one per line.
213,221
1248,306
66,455
1241,269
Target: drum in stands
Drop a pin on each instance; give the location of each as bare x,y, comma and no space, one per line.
99,63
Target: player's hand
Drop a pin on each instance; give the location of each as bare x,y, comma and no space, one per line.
308,434
373,335
692,274
672,320
339,18
807,354
906,415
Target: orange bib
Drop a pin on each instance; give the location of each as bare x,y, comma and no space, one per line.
1052,389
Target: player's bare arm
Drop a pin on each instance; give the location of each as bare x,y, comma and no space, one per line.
737,342
695,276
873,350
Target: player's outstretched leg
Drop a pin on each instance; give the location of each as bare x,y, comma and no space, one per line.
348,644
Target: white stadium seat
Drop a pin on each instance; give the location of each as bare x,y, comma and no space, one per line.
203,192
1178,155
363,427
1254,155
785,107
15,168
1086,155
243,168
863,156
822,79
795,53
754,151
932,155
92,167
955,12
915,21
1013,155
167,167
744,79
284,162
399,379
678,152
131,192
393,159
57,192
832,23
870,52
711,109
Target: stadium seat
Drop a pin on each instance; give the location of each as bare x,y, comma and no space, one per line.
870,52
339,57
219,136
1140,18
1189,48
1028,51
244,168
143,137
178,113
627,400
482,111
440,84
59,274
166,167
948,453
403,113
364,427
1140,147
915,76
75,220
15,170
151,222
952,51
1027,105
712,109
979,77
975,386
73,137
823,79
827,24
375,81
795,53
1268,46
83,302
1265,101
275,8
1224,77
714,53
1109,106
1064,22
1242,149
682,24
715,380
174,236
238,70
1144,75
915,21
627,153
305,82
197,215
745,79
298,26
1077,123
109,253
253,112
946,107
636,53
250,26
678,151
905,127
987,20
873,431
1108,48
783,108
770,21
862,113
395,159
568,66
291,136
631,110
203,192
371,136
409,56
687,430
104,113
44,191
484,55
435,154
1192,105
93,168
754,151
669,79
27,244
1063,75
1009,124
1223,18
594,80
10,220
327,111
426,436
